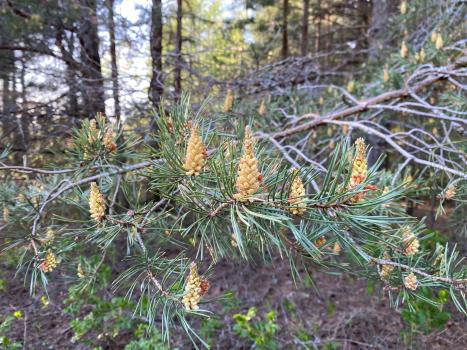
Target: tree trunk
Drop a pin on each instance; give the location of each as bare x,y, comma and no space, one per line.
24,126
70,75
318,28
156,87
178,52
285,33
113,58
381,12
7,74
93,83
304,45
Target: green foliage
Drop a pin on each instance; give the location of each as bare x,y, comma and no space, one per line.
147,338
230,302
98,319
332,345
427,317
259,330
210,329
5,342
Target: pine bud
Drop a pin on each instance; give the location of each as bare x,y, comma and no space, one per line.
359,169
196,153
404,50
351,86
6,214
345,129
403,7
385,75
96,203
422,55
439,42
297,194
195,288
228,102
434,36
92,137
320,242
50,262
233,241
108,141
450,193
386,270
410,281
440,261
410,241
80,271
49,236
248,176
262,109
93,125
336,249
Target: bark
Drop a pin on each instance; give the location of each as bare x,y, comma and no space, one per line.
7,61
156,87
318,28
7,75
304,44
24,126
93,83
285,32
70,76
178,52
113,59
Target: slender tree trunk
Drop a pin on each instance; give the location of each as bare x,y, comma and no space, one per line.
70,74
178,51
24,106
318,28
304,45
285,33
93,83
113,58
7,75
156,87
381,12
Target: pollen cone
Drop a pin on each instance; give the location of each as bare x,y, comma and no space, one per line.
249,177
195,288
196,153
96,203
297,195
359,169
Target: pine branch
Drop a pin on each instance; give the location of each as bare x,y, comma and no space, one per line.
460,284
56,192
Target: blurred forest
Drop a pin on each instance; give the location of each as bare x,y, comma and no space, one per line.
308,76
62,61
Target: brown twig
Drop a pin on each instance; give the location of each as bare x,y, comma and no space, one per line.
220,207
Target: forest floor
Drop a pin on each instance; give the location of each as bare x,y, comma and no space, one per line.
338,312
